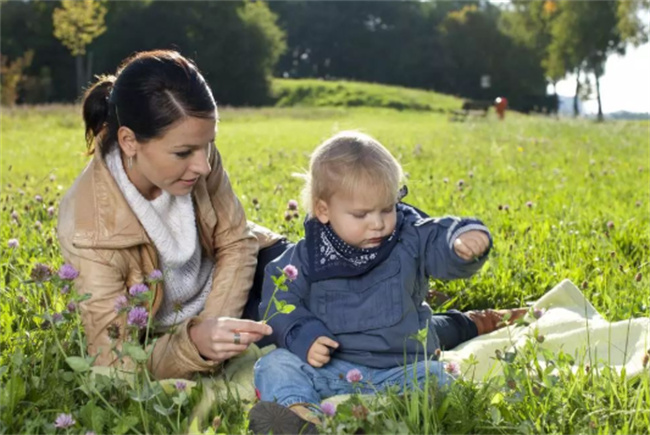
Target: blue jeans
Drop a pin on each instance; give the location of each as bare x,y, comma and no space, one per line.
284,378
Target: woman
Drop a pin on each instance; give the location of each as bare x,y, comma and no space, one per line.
156,196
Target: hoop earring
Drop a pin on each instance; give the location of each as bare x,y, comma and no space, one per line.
129,162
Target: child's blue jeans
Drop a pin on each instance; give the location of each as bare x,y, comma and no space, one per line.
284,378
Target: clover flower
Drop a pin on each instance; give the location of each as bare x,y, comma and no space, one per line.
13,243
354,376
138,316
453,368
180,385
290,271
328,408
64,421
292,204
155,276
121,302
138,288
68,272
41,272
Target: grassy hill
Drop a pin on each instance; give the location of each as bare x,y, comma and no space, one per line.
319,93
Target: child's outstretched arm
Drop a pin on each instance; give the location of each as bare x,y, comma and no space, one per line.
453,247
298,330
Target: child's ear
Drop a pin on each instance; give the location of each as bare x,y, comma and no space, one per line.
322,212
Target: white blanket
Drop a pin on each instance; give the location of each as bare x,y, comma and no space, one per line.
569,324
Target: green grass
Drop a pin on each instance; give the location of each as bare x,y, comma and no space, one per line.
589,220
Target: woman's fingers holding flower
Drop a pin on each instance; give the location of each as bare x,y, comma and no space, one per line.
222,338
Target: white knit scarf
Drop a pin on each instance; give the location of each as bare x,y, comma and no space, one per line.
170,222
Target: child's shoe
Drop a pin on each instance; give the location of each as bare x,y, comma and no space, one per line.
271,417
490,320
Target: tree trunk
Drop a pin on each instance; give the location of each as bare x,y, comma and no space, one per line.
89,68
600,106
576,111
79,63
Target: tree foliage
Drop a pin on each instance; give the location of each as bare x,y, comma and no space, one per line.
78,22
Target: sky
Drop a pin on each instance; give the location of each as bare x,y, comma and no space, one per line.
625,85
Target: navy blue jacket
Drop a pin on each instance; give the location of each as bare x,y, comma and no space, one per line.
373,316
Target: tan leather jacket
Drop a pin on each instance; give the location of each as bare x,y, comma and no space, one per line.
102,238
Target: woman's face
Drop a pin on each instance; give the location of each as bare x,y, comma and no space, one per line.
175,161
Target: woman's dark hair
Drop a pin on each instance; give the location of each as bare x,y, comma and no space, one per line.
150,91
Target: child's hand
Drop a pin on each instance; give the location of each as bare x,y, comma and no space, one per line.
471,245
319,352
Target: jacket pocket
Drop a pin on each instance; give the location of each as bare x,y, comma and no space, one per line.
372,301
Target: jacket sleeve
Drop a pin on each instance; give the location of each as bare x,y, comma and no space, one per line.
235,247
102,274
295,331
437,238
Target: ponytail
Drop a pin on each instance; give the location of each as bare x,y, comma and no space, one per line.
96,113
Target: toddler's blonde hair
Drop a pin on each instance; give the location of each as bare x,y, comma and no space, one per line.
346,162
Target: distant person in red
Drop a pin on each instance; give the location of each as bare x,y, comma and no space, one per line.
501,104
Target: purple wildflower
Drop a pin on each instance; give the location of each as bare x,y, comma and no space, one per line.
41,272
538,312
180,385
64,421
137,289
57,317
610,225
65,290
155,276
72,307
68,272
13,243
529,204
14,215
138,316
292,204
328,408
287,215
353,376
290,271
453,368
50,211
460,182
38,225
121,302
38,198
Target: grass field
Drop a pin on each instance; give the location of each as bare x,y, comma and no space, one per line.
563,198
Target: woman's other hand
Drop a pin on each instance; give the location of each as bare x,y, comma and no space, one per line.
222,338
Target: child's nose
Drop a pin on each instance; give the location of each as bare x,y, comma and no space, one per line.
377,223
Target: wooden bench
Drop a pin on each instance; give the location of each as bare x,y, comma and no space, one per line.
478,108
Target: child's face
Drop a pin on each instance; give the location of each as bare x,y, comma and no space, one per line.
362,220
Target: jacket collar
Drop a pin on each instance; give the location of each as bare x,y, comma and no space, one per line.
104,219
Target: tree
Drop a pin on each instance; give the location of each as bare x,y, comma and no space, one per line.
76,24
11,75
585,34
514,69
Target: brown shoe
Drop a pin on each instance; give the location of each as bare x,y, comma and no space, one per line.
271,417
490,320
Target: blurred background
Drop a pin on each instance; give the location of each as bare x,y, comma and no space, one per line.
566,56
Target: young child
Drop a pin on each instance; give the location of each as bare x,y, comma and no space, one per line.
360,292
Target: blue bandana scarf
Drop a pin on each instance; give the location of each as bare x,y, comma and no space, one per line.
330,257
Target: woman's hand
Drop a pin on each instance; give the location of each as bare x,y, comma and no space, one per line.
222,338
